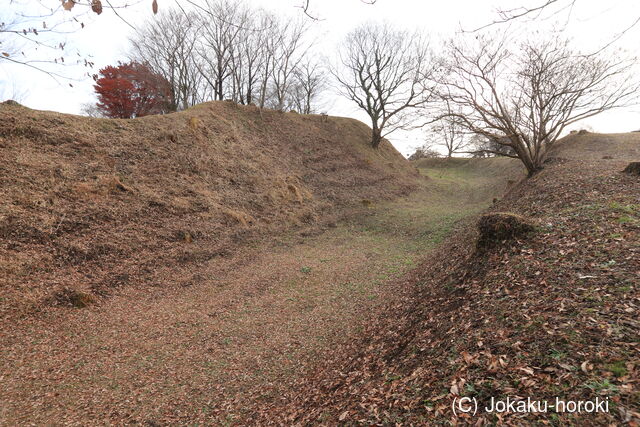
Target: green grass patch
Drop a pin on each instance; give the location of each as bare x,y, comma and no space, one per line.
619,369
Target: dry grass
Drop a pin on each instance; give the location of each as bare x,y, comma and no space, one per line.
225,329
233,173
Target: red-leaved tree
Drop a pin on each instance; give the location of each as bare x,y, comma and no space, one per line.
132,90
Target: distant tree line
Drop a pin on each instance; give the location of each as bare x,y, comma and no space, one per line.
226,50
479,94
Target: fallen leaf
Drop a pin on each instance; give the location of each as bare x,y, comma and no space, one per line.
526,370
96,6
454,388
467,357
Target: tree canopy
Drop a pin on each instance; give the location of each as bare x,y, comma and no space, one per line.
132,90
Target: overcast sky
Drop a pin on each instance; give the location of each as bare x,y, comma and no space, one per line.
591,23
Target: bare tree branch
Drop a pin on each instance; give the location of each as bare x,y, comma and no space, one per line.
555,8
524,98
31,32
385,73
306,4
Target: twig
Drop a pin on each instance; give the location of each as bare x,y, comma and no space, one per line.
59,223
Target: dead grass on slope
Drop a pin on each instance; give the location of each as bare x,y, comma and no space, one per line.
239,331
95,205
553,315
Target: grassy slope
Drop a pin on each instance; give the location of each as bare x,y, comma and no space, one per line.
248,328
93,205
552,315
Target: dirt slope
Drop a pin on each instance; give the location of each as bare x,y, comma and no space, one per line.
551,315
208,353
91,205
219,336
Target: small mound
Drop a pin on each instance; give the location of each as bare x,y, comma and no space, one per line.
74,298
633,168
499,226
593,146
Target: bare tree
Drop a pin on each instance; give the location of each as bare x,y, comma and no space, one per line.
221,23
384,72
227,50
90,109
524,98
309,82
449,133
167,46
287,51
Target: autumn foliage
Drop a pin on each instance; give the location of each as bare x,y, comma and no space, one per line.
132,90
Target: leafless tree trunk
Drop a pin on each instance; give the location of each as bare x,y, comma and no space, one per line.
524,97
385,73
267,47
287,51
221,24
309,83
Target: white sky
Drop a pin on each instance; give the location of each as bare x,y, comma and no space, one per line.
592,23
